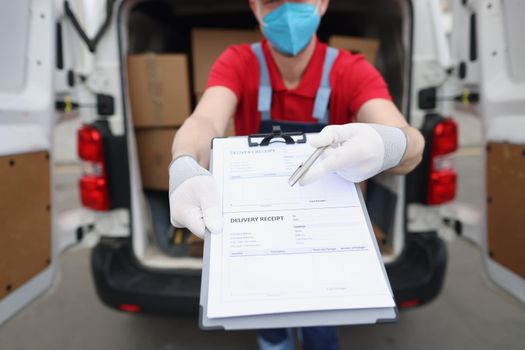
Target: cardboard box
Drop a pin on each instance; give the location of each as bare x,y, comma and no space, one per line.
159,89
368,47
209,44
154,150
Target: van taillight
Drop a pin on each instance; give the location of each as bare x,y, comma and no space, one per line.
409,303
443,177
94,192
90,146
93,183
129,308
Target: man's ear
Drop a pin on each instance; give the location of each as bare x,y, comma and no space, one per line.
323,6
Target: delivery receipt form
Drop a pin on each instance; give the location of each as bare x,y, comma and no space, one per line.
288,249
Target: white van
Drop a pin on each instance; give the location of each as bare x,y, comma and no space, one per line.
51,54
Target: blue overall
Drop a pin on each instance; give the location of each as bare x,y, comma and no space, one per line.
312,338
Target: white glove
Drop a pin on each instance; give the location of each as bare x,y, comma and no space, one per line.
194,200
358,151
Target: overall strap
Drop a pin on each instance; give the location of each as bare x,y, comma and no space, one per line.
264,103
323,94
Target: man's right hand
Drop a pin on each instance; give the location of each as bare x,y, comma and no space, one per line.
194,201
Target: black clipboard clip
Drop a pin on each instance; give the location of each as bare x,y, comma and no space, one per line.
274,136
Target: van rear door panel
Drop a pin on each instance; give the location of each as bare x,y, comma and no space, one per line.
496,47
27,115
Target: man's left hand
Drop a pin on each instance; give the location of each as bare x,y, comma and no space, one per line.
357,151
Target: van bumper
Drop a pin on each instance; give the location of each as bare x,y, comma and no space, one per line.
120,281
416,277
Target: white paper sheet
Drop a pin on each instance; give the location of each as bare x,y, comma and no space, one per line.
288,249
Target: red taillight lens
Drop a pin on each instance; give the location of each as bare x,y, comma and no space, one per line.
94,192
442,177
445,138
442,187
90,145
409,303
129,308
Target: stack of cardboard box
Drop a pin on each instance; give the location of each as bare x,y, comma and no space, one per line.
159,89
160,101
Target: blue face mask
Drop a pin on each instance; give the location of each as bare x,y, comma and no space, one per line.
291,26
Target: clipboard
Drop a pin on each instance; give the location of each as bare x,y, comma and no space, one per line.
292,319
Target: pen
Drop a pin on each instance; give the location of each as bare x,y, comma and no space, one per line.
303,168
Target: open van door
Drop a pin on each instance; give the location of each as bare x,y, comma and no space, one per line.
27,114
490,60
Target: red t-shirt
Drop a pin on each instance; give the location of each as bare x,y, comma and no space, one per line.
353,80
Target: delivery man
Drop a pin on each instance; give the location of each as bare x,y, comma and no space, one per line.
292,80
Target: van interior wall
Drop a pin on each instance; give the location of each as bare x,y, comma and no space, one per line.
164,26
